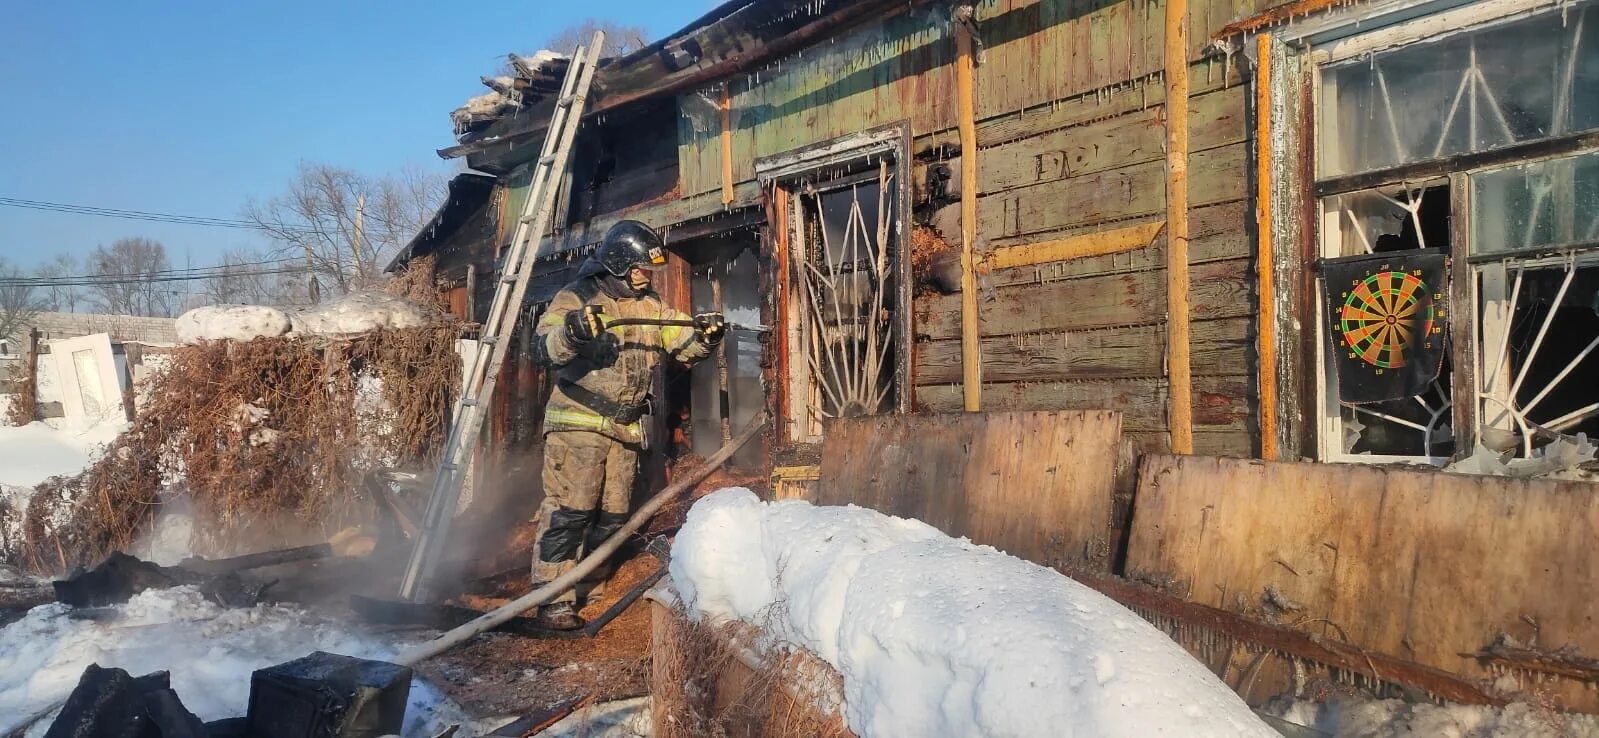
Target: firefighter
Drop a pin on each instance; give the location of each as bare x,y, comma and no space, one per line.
592,423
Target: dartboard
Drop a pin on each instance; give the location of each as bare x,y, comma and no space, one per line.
1386,315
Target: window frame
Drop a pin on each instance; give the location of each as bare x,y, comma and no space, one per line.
1467,265
785,176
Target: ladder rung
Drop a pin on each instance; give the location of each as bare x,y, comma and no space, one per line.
488,340
509,278
469,402
547,159
566,102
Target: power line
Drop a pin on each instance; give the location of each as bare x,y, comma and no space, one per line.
106,280
143,215
223,269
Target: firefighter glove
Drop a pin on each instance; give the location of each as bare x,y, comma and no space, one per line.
584,324
712,327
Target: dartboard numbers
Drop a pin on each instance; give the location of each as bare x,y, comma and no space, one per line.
1385,315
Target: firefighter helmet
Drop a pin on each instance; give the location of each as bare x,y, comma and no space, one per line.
631,244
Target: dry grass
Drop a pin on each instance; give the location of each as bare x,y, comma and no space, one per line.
705,683
25,402
271,437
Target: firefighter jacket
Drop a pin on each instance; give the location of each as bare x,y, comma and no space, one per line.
603,386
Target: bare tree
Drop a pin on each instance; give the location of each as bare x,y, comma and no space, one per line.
344,224
60,298
241,278
129,278
620,39
20,301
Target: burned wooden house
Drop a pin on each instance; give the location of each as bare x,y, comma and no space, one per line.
942,207
1357,234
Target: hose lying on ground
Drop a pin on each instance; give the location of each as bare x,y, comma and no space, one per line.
591,562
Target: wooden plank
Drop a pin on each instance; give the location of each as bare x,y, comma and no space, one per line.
1219,623
1420,565
1203,249
1034,484
1220,290
1265,259
971,358
1216,176
1100,243
1220,402
1218,120
1178,371
1221,347
1207,441
1140,93
725,107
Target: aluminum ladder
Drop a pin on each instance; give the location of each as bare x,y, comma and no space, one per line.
483,368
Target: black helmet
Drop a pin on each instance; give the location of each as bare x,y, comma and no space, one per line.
630,244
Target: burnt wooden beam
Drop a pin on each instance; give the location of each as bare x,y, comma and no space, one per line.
1290,642
757,34
1561,663
1280,14
257,560
540,720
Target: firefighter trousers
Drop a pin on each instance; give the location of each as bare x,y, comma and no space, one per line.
588,490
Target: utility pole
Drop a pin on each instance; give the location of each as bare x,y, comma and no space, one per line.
311,291
357,247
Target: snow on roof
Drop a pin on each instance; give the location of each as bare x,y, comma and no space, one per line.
344,317
938,636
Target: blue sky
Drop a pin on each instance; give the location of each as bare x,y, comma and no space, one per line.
194,107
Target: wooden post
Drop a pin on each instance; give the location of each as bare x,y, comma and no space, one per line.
726,106
1177,366
1265,258
971,357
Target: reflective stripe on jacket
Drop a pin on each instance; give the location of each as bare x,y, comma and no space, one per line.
618,365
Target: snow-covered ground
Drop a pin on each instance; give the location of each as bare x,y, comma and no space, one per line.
940,637
1361,718
209,650
31,453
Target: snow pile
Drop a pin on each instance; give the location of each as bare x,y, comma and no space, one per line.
231,323
343,317
34,452
937,636
357,313
210,651
1364,718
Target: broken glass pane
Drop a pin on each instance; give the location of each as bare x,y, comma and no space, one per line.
1536,205
1391,219
1504,84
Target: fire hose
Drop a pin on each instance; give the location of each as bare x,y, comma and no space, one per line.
619,322
591,562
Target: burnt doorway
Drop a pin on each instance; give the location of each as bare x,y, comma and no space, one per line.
722,394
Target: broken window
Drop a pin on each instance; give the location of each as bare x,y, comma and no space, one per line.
1538,344
1399,221
1475,129
847,274
1503,84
